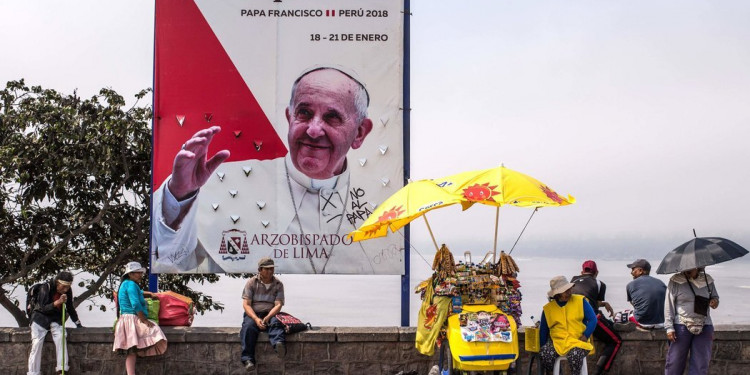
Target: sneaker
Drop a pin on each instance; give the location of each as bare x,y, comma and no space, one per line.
249,365
280,349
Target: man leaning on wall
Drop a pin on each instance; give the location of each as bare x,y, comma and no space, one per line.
51,297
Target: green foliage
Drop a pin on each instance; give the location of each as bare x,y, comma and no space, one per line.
75,179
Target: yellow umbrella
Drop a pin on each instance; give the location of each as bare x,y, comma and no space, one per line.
495,186
407,204
500,186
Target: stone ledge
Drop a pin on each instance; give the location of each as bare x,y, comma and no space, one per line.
230,334
329,351
323,334
5,334
317,334
407,333
21,335
722,332
367,334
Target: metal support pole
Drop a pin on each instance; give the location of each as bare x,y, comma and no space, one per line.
406,277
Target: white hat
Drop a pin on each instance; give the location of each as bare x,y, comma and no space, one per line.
557,285
133,267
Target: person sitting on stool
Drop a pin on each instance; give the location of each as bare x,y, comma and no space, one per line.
569,320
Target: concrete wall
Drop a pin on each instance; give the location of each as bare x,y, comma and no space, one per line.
328,350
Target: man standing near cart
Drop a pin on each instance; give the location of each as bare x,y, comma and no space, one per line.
594,290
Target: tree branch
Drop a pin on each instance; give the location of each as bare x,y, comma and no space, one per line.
112,265
18,314
71,234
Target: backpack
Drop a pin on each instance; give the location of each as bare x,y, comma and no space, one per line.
32,299
292,324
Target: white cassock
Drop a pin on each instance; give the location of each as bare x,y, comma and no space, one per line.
251,209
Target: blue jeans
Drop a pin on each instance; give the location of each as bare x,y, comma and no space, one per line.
249,335
699,347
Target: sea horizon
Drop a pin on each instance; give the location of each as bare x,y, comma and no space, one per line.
374,300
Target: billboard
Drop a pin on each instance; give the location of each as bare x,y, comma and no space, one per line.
277,130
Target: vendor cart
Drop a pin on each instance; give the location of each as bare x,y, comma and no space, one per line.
481,338
480,332
456,294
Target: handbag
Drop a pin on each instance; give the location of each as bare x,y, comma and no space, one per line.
292,324
700,305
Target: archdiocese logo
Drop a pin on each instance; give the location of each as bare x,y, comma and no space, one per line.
233,245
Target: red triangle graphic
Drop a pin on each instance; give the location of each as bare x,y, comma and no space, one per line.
193,76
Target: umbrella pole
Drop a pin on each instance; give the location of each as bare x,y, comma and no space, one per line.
497,224
430,230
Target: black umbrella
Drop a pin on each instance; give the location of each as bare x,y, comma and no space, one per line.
700,252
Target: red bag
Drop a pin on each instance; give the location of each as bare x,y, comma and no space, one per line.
292,324
175,309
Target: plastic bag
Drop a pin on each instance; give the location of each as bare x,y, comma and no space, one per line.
153,305
176,309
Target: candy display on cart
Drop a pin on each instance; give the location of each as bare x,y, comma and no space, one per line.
484,326
486,283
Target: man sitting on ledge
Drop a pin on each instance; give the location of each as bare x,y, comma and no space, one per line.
262,299
646,294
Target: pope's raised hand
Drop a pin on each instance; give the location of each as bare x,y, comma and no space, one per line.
192,167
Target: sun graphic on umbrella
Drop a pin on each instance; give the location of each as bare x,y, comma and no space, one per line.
478,193
391,214
551,194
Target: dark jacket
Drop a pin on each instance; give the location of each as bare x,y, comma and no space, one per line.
47,313
591,288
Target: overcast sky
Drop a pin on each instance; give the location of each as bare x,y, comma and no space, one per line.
639,109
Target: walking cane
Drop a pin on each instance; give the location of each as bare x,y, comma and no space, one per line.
63,339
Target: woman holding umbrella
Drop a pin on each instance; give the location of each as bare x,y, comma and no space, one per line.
690,293
688,321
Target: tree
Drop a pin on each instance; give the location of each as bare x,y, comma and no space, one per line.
75,177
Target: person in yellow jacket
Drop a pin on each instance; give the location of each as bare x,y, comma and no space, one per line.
569,320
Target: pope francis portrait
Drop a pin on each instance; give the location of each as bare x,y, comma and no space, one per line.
296,209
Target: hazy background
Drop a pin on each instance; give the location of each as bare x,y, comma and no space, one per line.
639,109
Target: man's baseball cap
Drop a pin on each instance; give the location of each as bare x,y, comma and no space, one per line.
265,262
640,263
589,266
